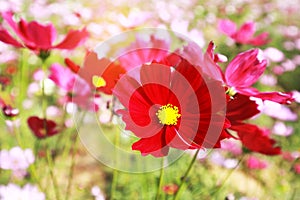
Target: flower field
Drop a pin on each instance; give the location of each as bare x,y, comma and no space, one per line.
149,100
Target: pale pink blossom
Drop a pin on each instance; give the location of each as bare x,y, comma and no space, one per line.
273,54
278,111
281,129
15,192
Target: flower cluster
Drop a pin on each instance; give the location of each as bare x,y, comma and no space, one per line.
175,100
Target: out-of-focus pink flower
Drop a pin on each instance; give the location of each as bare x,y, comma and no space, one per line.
268,80
38,37
170,189
218,159
134,18
17,160
280,128
181,26
255,163
143,51
62,76
97,193
297,168
243,35
232,146
13,192
296,95
290,156
278,111
288,65
273,54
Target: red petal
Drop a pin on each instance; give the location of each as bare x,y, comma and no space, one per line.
8,39
41,35
256,139
73,39
155,79
72,66
155,145
241,108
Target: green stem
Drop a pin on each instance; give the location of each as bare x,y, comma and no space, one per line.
227,177
54,181
115,171
184,178
44,99
160,179
73,161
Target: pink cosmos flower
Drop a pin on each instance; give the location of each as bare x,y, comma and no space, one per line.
77,90
17,160
243,71
36,36
255,163
297,168
142,51
12,191
281,129
244,35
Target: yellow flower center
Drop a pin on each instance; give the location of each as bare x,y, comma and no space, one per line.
98,81
168,114
231,91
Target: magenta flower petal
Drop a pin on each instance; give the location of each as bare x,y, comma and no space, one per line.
245,69
245,32
62,76
227,26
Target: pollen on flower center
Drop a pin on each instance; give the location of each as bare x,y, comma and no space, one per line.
168,114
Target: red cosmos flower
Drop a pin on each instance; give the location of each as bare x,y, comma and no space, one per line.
38,37
245,35
42,128
171,108
253,138
101,74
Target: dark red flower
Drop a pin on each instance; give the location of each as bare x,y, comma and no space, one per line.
38,37
245,35
42,128
171,108
256,139
241,108
7,109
